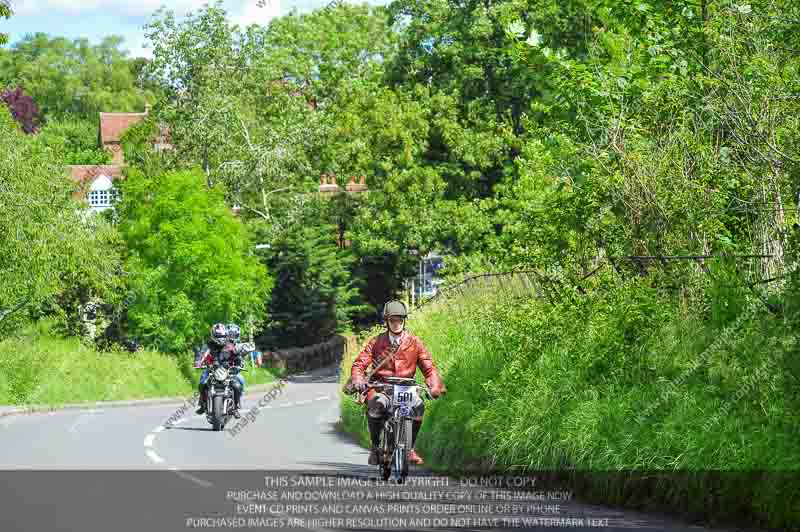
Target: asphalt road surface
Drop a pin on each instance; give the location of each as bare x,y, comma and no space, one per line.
119,469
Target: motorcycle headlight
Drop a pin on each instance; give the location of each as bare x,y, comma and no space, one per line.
220,374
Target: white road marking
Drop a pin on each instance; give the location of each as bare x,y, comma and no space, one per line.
81,419
187,476
149,442
154,457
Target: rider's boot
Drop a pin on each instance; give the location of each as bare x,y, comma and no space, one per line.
413,457
375,427
237,404
201,404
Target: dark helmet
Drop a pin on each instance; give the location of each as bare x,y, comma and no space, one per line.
234,332
394,308
219,333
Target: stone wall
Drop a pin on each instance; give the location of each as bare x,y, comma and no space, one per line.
298,359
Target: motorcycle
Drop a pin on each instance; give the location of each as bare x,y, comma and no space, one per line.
220,398
396,435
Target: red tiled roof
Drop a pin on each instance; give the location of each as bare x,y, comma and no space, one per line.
86,172
113,125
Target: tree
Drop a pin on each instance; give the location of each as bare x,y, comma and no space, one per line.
5,12
22,107
314,296
75,141
190,263
72,77
322,50
49,243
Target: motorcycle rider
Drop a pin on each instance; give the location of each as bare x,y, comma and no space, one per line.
410,354
240,350
219,348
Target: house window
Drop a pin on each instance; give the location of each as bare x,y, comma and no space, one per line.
102,199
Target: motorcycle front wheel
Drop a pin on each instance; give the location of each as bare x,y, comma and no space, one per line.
387,449
218,419
401,449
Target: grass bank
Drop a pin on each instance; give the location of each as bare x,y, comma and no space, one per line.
606,387
42,368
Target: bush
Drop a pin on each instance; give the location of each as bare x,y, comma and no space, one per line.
190,261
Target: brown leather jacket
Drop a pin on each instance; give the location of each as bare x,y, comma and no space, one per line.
410,355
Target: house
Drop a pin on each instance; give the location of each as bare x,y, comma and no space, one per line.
112,126
96,182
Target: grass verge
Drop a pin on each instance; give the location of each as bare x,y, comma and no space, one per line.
41,368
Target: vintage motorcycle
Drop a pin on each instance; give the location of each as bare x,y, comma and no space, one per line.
396,433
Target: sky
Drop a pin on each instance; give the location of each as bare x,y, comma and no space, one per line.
95,19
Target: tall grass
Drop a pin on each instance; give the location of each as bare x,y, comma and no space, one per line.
623,379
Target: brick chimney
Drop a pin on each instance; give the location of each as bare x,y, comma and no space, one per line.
354,186
328,188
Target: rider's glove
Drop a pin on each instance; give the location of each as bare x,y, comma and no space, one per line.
361,387
438,391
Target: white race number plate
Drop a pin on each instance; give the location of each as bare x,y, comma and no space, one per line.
404,398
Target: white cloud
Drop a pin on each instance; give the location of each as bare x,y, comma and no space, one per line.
138,47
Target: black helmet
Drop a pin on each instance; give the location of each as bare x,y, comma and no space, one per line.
394,308
219,334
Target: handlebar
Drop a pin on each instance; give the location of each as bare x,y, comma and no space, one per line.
381,385
204,366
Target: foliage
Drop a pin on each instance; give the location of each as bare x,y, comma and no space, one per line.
75,141
73,79
137,145
49,243
22,108
621,379
320,51
58,371
190,263
314,295
5,12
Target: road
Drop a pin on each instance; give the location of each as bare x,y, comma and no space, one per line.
120,469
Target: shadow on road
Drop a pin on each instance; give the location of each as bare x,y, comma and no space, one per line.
335,430
315,379
328,374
